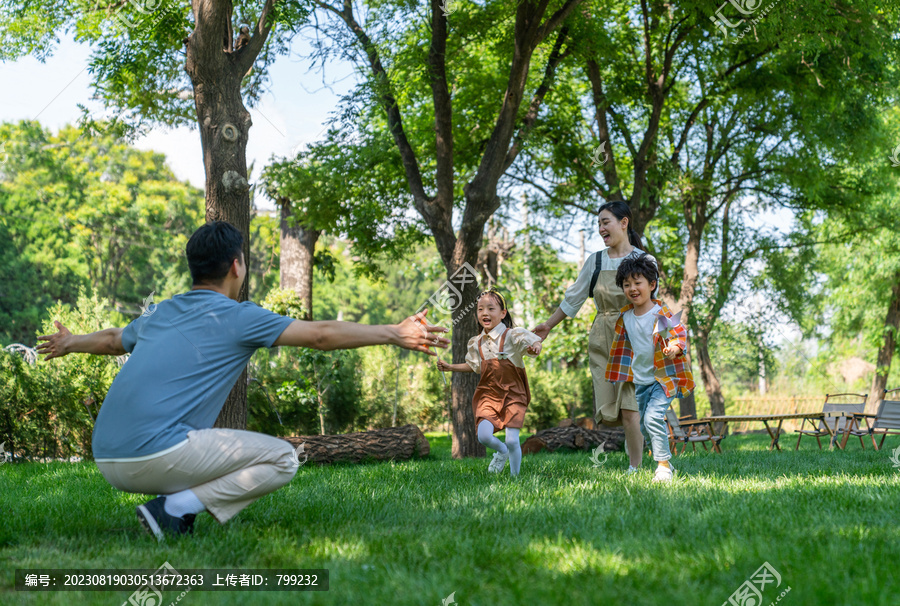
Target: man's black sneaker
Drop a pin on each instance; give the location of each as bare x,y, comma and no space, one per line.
154,518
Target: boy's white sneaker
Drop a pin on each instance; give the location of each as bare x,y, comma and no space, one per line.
498,462
664,474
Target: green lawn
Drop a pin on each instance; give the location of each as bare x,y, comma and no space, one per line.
564,533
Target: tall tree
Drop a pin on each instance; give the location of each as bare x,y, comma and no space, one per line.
411,84
174,62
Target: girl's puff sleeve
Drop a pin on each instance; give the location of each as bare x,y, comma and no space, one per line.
521,339
472,357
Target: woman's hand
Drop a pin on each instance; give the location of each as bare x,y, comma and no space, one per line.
541,330
57,344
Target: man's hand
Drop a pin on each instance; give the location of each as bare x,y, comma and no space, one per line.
107,342
57,345
415,333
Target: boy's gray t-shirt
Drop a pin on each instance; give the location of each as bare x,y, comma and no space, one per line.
186,355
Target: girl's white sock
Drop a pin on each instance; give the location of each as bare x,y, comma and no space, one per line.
486,437
515,450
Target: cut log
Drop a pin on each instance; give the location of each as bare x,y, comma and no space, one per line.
586,422
575,438
390,444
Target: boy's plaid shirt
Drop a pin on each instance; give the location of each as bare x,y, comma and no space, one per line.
674,375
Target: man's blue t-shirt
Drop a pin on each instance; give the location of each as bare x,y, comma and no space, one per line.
185,357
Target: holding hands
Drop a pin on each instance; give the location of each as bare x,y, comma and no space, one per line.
535,348
541,330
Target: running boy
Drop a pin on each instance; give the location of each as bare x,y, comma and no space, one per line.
643,354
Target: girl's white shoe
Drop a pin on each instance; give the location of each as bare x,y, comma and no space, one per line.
498,462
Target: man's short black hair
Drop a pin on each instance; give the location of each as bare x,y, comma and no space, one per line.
641,265
211,250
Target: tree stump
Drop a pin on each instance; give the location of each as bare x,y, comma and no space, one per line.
388,444
574,437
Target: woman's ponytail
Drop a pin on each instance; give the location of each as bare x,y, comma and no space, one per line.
634,238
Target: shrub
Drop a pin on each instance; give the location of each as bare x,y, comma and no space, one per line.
556,395
49,407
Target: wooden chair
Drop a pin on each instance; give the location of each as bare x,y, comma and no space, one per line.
685,430
850,403
885,421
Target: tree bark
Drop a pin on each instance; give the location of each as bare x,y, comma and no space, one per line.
390,444
886,352
298,245
575,438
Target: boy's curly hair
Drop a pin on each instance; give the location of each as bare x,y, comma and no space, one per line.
641,265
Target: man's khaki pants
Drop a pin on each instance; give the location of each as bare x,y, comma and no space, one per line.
226,468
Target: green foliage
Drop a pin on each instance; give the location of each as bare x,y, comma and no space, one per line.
76,210
265,254
284,302
735,347
49,408
351,186
394,377
137,59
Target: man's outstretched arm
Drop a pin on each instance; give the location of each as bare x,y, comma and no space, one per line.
413,333
105,342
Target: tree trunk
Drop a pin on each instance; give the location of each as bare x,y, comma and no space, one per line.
224,122
465,440
391,444
575,438
216,74
886,352
710,380
298,245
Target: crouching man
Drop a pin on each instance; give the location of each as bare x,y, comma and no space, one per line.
154,433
